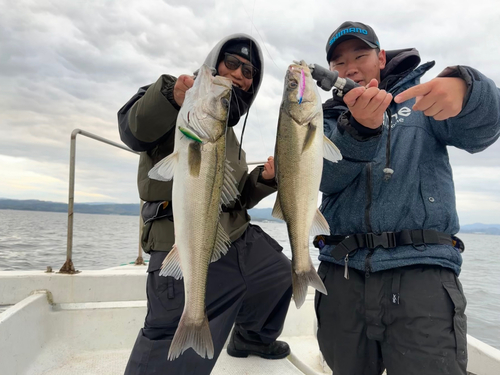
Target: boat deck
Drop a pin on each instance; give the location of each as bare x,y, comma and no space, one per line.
87,324
113,362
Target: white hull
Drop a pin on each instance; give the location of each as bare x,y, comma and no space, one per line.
87,324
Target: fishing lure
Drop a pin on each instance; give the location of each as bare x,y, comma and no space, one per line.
188,133
302,86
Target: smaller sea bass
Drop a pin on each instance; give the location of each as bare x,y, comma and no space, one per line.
300,149
202,182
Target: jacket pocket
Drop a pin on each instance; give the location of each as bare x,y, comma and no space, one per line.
158,235
459,319
322,272
431,196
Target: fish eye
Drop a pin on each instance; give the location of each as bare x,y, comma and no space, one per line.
225,103
292,84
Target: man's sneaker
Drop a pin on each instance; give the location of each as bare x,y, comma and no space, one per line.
239,347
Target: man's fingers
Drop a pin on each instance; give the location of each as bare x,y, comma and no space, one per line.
433,110
419,90
372,83
423,103
351,97
379,111
188,81
366,98
376,101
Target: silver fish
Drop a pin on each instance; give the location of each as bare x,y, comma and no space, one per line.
202,182
300,149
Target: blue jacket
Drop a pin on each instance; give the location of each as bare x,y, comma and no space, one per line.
420,194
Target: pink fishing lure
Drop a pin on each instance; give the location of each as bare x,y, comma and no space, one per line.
302,86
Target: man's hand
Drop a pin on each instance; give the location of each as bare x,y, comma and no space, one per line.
268,173
184,82
440,98
368,104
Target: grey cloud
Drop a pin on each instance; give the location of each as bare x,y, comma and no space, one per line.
74,64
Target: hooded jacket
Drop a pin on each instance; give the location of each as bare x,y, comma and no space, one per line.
420,194
147,124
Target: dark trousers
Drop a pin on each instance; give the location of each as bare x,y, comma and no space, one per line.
249,287
409,320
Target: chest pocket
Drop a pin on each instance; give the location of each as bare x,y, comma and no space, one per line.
431,197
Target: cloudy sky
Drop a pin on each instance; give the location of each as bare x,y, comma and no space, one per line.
73,64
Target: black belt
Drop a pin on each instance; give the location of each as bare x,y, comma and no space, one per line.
388,240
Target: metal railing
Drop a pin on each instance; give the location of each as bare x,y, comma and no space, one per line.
68,266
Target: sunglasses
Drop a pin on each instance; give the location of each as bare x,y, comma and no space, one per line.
232,63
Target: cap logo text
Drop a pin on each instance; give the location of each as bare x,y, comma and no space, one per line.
347,31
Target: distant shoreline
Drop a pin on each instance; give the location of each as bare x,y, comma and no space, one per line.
132,209
125,209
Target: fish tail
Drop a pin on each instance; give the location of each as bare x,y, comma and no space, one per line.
194,336
300,283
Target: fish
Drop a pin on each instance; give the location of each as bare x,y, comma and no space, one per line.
300,148
202,183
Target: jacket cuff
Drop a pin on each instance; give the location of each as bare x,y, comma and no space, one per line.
347,123
168,92
458,71
269,182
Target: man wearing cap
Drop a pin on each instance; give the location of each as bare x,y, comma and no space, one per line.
250,286
391,263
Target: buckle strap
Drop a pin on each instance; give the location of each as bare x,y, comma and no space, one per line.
387,240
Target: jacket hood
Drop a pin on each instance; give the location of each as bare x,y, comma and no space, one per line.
398,64
215,53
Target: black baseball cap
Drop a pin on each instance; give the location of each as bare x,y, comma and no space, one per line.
350,30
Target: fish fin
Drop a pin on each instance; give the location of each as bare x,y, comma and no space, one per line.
193,336
277,212
230,191
308,140
222,244
302,281
165,168
319,225
330,151
171,265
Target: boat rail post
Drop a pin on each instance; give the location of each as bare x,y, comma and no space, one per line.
68,266
140,260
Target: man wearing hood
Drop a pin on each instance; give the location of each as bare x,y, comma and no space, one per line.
250,286
392,261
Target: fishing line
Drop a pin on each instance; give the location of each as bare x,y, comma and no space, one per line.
261,38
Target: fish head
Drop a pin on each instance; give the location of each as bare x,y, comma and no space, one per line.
207,107
300,95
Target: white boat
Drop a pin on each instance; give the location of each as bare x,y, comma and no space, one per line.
86,323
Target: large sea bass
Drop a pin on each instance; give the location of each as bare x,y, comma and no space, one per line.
201,183
300,149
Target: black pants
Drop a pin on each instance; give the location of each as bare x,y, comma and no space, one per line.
249,287
409,320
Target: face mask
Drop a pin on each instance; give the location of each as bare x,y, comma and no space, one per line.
238,106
